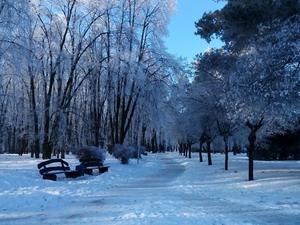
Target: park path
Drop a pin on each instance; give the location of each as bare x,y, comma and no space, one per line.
155,199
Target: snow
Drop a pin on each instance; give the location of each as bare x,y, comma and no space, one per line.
161,189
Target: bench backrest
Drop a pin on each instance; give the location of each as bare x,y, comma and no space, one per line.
47,166
54,168
43,164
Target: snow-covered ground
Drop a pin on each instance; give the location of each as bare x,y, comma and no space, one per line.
161,189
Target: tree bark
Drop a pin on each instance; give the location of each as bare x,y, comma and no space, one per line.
252,138
47,149
226,152
143,139
200,152
208,143
35,119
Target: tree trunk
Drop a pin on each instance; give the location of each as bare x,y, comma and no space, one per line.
251,139
47,148
180,149
143,139
63,153
153,141
208,143
200,152
226,152
35,120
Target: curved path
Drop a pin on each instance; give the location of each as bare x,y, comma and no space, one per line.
156,199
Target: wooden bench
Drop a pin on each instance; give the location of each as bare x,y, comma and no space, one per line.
88,165
50,171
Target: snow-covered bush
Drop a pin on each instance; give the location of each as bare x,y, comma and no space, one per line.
137,152
125,152
87,153
122,152
143,151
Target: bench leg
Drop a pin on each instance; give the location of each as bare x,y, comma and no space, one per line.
50,177
73,174
88,171
103,169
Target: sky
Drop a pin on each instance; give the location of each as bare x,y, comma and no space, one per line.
181,40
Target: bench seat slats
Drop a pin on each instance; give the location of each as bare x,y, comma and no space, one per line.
89,169
92,163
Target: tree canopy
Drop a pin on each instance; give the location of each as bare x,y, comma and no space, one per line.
239,21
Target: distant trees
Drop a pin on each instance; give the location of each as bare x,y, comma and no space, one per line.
280,146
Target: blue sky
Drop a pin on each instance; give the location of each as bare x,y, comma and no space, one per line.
181,40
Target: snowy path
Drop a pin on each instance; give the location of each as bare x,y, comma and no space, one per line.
173,192
142,201
166,203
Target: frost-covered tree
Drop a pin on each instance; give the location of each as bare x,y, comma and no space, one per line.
269,81
78,72
264,85
237,22
214,74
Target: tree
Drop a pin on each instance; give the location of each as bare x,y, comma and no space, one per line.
238,21
263,84
215,70
268,90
